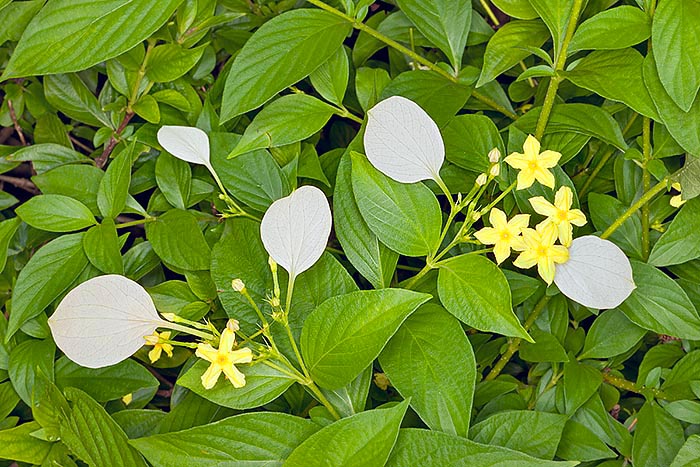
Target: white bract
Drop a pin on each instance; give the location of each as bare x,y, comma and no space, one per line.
295,229
104,320
597,274
187,143
403,142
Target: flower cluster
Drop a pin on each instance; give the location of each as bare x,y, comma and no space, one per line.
536,246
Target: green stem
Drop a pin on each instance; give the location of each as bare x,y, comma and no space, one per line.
554,82
490,13
136,222
345,113
445,190
498,199
516,341
177,327
322,399
139,77
646,184
406,51
294,375
646,197
622,383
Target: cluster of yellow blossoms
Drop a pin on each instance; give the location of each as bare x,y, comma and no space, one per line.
536,246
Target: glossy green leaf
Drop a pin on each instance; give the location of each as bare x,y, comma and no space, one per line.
657,438
102,248
8,228
681,241
28,362
556,15
578,443
168,62
178,240
331,78
56,213
689,453
18,444
617,28
468,140
611,334
174,178
114,186
69,94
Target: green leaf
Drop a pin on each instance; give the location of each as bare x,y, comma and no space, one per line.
72,35
581,444
56,213
331,79
69,94
509,46
439,380
174,178
616,75
468,140
546,348
681,241
361,246
556,15
92,435
534,433
79,182
147,108
15,17
247,440
47,156
445,23
263,385
289,119
8,228
178,240
169,62
611,334
102,247
105,384
475,291
405,217
616,28
285,50
361,440
581,381
346,333
46,276
434,449
520,9
28,362
675,25
689,453
657,438
689,177
369,84
605,210
114,186
660,304
18,444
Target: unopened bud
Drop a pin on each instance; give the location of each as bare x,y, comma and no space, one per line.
233,325
238,285
495,170
273,264
494,155
481,179
128,398
381,380
677,201
476,215
275,302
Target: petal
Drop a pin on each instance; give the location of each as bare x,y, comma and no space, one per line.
597,275
155,353
295,229
525,179
207,352
563,198
549,159
525,260
488,236
234,375
168,349
531,147
565,233
547,231
501,251
244,355
187,143
519,222
577,217
498,218
531,238
211,376
227,340
403,142
559,254
545,267
545,177
518,244
516,160
542,206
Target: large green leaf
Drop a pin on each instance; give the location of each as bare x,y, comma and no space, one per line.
468,140
475,290
681,241
443,22
677,24
438,379
616,28
611,334
69,94
359,441
177,239
72,35
29,362
47,274
18,444
556,15
284,50
405,217
658,437
56,213
247,440
434,449
660,304
346,333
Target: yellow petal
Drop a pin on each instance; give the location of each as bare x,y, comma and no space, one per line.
531,147
517,243
548,159
168,349
155,353
544,176
211,376
542,206
516,160
235,376
547,231
488,236
577,217
498,218
531,238
545,267
228,339
563,198
559,254
244,355
207,352
525,179
565,233
525,260
501,251
519,222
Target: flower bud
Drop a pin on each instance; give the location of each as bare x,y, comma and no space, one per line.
481,179
495,170
494,155
273,264
677,201
274,302
233,325
238,285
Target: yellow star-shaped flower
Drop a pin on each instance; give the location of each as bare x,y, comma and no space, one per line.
539,249
560,216
158,341
223,360
533,164
503,234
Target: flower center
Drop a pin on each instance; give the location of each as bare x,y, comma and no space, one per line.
222,360
532,165
542,251
505,235
562,215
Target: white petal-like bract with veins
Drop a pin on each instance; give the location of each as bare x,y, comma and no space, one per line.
597,274
295,229
104,320
403,142
187,143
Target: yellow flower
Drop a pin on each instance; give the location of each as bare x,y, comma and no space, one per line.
560,216
223,360
157,340
540,250
504,234
677,200
533,164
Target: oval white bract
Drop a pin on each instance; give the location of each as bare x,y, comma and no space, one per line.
403,142
187,143
295,229
103,321
597,274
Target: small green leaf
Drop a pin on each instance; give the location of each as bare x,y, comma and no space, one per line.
331,78
56,213
114,186
147,108
689,453
616,28
8,228
556,15
69,94
178,240
581,444
611,334
681,241
174,178
169,62
102,247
